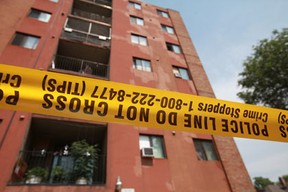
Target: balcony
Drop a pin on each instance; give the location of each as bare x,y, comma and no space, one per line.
86,31
97,10
61,152
87,38
104,2
81,59
91,16
80,66
56,167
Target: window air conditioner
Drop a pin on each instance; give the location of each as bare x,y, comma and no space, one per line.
177,75
147,152
68,29
102,37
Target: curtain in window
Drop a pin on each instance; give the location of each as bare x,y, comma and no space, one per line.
209,149
144,141
199,150
157,147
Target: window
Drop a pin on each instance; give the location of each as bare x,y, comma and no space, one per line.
141,64
40,15
174,48
137,20
138,39
205,150
162,13
55,1
181,73
156,142
135,5
24,40
167,29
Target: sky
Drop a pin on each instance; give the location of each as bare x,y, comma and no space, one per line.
224,33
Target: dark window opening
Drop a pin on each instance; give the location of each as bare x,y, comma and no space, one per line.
48,150
174,48
40,15
25,40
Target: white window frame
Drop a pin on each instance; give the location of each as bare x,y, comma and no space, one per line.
142,64
168,29
163,13
155,142
181,73
137,20
135,5
138,39
173,47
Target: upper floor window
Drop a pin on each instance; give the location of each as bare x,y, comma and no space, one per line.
162,13
174,48
137,20
181,73
25,40
155,142
141,64
40,15
205,149
135,5
139,39
167,29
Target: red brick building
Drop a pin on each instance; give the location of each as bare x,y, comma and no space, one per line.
122,41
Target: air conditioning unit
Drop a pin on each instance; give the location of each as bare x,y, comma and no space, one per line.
177,75
102,37
147,152
68,29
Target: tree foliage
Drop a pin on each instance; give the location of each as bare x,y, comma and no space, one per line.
285,177
264,79
260,183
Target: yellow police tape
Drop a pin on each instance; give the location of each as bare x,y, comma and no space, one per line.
49,93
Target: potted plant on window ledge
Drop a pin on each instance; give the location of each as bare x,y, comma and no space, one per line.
36,174
85,158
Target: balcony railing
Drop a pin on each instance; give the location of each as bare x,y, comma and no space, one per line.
85,37
103,2
80,66
91,16
58,168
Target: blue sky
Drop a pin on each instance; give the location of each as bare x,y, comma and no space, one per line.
224,33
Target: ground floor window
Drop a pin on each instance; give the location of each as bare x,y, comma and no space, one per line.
205,149
63,153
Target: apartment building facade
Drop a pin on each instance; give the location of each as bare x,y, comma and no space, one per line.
123,41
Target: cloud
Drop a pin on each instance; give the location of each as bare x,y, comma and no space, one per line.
264,158
270,166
